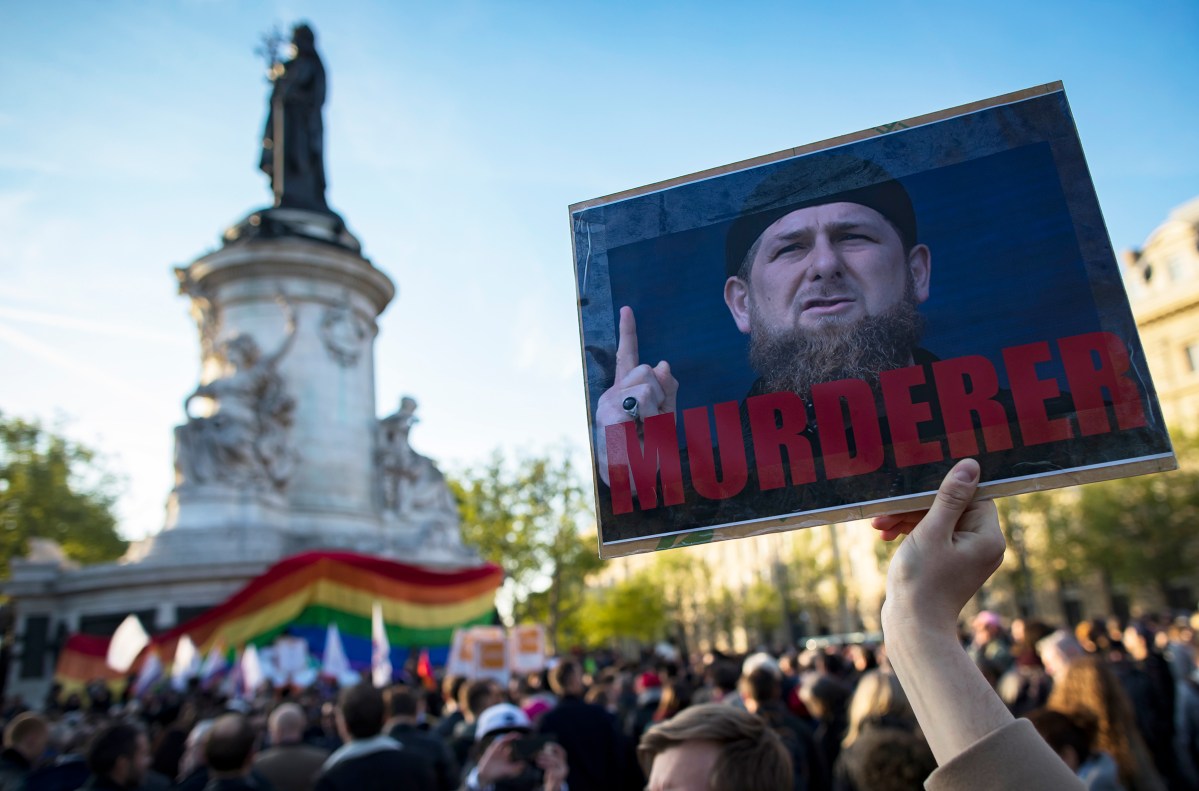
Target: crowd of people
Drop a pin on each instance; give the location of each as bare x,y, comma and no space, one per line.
1118,704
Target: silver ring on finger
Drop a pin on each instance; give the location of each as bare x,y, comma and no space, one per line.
631,408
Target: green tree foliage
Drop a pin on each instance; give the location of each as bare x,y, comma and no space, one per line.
631,609
54,488
532,517
1132,531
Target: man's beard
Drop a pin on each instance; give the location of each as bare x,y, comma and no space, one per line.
795,359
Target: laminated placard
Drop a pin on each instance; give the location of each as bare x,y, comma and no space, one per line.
526,648
819,334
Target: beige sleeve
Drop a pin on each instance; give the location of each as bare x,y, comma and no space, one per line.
1013,757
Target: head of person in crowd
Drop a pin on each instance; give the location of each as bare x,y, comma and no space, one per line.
825,697
676,696
361,712
193,749
759,660
986,628
476,697
496,733
725,676
1057,651
404,705
878,700
286,724
827,285
890,759
27,735
863,658
1138,640
1071,737
451,689
761,687
229,748
647,683
1093,637
499,719
714,747
1088,688
566,679
119,755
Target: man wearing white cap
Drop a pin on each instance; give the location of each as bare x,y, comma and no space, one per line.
504,765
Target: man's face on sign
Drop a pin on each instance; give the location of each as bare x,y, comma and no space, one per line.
824,267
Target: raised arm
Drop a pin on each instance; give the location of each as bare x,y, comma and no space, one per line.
949,552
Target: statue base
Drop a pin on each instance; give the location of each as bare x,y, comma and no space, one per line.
280,222
214,523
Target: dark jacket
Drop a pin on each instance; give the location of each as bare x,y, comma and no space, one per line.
14,769
594,745
383,770
433,749
291,767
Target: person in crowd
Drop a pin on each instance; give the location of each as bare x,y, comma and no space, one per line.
1088,687
762,695
827,700
452,714
1057,650
990,642
595,748
1073,738
119,758
369,760
715,747
1025,686
878,701
888,759
406,707
193,765
229,753
289,764
1150,686
25,740
475,697
649,694
676,696
508,760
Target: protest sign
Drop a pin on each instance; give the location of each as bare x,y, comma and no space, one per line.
462,659
820,334
526,648
491,659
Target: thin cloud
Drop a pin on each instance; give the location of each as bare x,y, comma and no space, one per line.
59,321
80,370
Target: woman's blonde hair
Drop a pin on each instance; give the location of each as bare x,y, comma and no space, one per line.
877,697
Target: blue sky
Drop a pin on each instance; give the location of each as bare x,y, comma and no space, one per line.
457,135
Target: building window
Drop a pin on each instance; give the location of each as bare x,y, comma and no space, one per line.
1193,357
1178,268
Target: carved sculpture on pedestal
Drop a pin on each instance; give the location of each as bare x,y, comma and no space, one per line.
243,441
413,490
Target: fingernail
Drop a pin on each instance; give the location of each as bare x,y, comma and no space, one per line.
966,473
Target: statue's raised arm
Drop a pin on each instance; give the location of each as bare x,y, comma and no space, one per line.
270,361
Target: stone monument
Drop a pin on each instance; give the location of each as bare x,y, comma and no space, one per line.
279,449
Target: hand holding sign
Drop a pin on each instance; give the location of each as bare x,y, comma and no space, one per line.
639,391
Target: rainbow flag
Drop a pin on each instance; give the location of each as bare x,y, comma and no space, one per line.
301,595
84,659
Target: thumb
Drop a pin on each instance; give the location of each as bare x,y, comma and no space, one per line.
954,496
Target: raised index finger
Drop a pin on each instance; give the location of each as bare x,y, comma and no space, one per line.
627,357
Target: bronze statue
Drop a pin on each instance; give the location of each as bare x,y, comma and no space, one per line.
293,142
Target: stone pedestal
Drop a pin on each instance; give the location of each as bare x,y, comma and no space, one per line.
246,289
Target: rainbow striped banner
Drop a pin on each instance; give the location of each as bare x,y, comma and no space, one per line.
301,595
